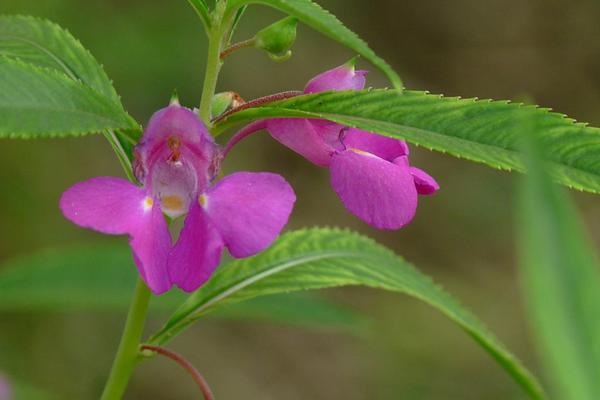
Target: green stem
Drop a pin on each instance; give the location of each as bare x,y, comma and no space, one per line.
128,353
213,63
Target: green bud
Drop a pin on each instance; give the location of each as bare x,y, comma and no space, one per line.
223,102
277,39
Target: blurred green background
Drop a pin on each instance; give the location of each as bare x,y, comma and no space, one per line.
547,50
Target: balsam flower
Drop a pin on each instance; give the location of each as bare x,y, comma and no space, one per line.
176,161
370,173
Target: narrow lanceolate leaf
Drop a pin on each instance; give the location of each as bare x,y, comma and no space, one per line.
561,283
321,258
100,278
323,21
479,130
37,102
45,44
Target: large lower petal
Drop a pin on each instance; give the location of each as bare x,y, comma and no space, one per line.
197,252
250,210
302,136
116,206
151,243
379,192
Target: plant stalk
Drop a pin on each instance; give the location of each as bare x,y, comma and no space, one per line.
213,64
128,355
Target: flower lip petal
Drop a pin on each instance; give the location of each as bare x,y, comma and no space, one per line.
377,191
251,209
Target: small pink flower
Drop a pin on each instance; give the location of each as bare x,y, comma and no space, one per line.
370,173
5,391
176,161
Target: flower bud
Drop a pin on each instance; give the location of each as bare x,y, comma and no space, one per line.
225,101
277,39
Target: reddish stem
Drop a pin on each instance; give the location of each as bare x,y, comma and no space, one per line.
258,102
247,130
198,378
237,46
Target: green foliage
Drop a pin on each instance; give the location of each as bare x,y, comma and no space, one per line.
95,278
37,102
56,52
479,130
321,258
561,283
321,20
45,44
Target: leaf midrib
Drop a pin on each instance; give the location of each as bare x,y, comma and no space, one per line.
62,110
57,59
273,268
512,154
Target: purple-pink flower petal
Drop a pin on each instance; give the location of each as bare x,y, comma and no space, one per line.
382,146
175,121
344,77
379,192
116,206
151,243
175,134
425,184
197,252
302,136
250,210
105,204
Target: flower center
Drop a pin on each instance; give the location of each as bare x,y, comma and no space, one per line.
174,182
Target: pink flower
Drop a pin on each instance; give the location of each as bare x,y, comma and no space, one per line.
176,162
370,173
5,391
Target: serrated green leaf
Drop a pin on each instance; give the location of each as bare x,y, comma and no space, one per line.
320,258
37,102
561,283
100,278
479,130
45,44
323,21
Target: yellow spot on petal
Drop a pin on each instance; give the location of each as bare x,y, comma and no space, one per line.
202,200
147,203
362,152
174,203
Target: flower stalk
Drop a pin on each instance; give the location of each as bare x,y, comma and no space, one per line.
127,355
213,63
